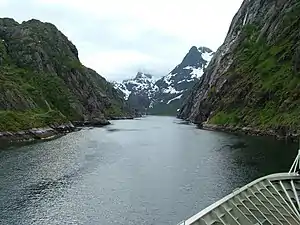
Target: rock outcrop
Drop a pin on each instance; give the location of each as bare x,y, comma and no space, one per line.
252,82
41,133
43,83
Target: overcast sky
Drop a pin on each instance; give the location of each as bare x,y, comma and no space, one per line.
117,38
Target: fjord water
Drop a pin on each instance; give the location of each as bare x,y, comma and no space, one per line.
154,170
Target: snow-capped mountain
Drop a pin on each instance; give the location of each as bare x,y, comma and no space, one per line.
139,91
174,87
164,96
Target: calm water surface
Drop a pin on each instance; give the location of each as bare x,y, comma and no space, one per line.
155,170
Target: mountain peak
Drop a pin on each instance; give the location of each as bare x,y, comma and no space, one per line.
141,75
196,57
142,86
193,49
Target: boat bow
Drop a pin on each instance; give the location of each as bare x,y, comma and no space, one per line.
272,199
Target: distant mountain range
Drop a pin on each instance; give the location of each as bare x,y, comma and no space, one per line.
165,95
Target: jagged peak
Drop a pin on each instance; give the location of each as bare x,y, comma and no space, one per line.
193,49
141,75
196,56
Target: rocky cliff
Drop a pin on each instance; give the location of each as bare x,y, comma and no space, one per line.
42,81
253,80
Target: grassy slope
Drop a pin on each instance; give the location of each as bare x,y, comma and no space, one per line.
40,97
23,120
49,98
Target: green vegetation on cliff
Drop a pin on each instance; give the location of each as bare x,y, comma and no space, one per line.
264,79
23,120
42,81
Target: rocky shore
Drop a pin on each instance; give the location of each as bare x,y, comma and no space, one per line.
37,133
101,122
52,131
281,133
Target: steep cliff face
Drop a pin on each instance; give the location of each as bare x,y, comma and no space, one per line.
42,80
254,78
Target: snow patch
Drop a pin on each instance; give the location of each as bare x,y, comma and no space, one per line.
168,80
178,97
151,104
197,72
191,80
207,56
141,83
127,93
122,88
171,90
188,68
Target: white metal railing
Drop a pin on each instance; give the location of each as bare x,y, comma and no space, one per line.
296,164
282,188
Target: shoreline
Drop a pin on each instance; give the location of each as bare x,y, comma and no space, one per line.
279,134
52,131
42,133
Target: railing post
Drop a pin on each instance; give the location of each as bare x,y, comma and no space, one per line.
296,164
